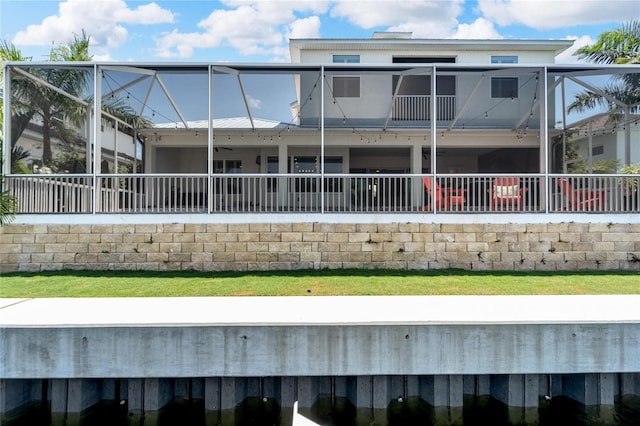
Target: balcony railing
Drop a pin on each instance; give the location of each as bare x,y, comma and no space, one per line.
331,193
418,108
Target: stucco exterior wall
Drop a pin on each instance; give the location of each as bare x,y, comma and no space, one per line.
284,246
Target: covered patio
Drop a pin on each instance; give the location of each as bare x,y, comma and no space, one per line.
237,138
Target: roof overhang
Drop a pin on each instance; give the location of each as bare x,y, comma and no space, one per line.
426,45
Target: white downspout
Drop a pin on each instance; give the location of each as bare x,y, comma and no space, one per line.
544,134
322,196
97,119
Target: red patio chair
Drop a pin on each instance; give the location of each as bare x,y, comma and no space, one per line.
580,200
443,199
506,194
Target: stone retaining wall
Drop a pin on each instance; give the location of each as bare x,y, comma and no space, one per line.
283,246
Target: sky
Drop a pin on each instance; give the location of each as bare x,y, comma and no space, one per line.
259,30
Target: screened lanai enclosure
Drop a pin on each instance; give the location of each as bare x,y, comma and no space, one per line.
338,138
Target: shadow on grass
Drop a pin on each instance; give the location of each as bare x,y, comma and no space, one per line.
320,273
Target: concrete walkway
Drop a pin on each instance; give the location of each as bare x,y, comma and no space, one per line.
318,336
316,310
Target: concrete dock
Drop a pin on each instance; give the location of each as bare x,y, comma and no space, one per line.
369,351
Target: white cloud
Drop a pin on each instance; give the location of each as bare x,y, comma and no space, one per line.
146,14
100,19
425,18
567,57
250,27
545,14
479,29
103,58
253,102
305,28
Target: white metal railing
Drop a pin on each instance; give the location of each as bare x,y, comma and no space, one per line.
418,108
333,193
595,193
51,193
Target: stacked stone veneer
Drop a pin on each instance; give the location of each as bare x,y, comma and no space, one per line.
281,246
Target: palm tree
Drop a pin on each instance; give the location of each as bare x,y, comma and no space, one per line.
619,46
621,96
53,110
8,203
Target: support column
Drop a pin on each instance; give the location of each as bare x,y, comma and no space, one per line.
59,390
630,384
287,397
595,391
445,394
417,186
157,394
283,169
135,395
520,393
81,394
364,400
212,401
228,388
16,393
381,397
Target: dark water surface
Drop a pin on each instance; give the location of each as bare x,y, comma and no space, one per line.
477,411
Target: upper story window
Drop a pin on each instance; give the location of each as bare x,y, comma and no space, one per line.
504,59
346,59
504,87
346,87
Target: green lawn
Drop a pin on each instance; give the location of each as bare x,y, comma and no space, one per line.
319,283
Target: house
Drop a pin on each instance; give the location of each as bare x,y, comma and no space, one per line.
350,125
389,152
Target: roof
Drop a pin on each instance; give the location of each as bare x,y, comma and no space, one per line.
398,42
241,123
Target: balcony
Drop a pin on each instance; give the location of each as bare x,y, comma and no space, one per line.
418,108
330,194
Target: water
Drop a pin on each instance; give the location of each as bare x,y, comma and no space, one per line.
480,411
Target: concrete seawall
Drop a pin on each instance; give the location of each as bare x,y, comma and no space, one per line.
520,242
365,352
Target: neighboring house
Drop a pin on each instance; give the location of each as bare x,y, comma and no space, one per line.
365,133
31,142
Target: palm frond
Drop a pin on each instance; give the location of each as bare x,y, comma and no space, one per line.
618,46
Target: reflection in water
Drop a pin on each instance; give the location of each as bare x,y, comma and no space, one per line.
336,411
409,412
562,411
484,410
559,411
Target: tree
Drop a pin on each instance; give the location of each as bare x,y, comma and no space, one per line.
619,46
33,101
8,203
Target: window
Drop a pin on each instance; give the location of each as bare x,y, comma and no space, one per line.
305,165
597,150
504,87
504,59
333,165
273,166
233,184
346,87
346,59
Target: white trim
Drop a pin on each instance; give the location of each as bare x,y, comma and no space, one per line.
360,218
